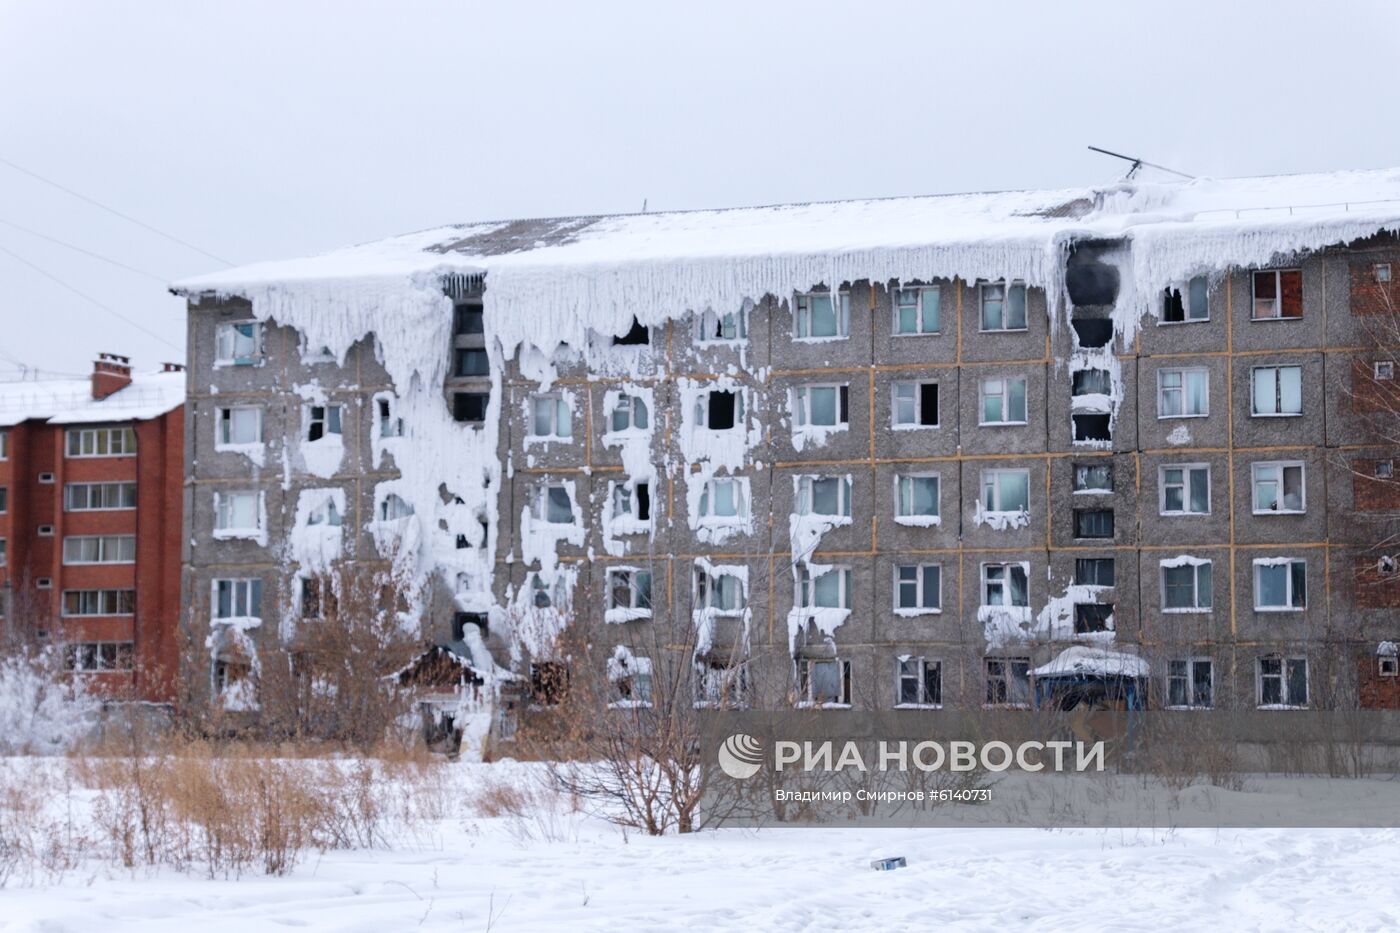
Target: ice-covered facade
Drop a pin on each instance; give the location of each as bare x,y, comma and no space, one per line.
894,452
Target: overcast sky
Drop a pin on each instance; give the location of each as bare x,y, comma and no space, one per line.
269,130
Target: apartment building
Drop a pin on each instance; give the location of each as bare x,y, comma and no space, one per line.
90,490
922,452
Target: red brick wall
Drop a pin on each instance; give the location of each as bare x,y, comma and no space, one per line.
1376,692
1369,394
1371,297
1374,591
1371,494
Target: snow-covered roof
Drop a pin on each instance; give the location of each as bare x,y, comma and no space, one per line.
1093,662
70,401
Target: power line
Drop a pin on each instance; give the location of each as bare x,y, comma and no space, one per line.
114,211
86,252
86,297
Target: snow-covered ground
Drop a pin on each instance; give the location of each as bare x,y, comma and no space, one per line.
573,872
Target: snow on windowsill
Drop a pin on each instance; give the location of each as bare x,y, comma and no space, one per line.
619,616
1000,521
916,612
918,521
241,534
255,451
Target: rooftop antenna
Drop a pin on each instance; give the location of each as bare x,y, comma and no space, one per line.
1139,163
644,205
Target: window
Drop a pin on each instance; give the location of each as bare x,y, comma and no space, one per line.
101,442
724,500
237,598
553,503
629,413
638,335
327,513
1093,477
1186,585
468,319
1385,469
1003,401
99,602
389,425
1003,307
820,406
45,531
99,549
1184,489
1092,617
1093,523
468,362
4,499
86,497
726,328
1190,683
915,404
1093,571
549,682
1006,490
824,495
1278,295
916,310
1283,682
719,409
93,657
394,508
1090,427
1383,371
915,499
1008,681
719,592
629,589
1005,585
1280,584
311,597
1091,382
238,343
919,682
1381,272
830,589
543,597
470,406
1279,489
237,511
718,684
322,421
824,682
1183,393
1194,305
629,680
4,445
238,426
46,479
1388,666
44,583
550,417
819,318
2,552
632,501
918,588
1278,390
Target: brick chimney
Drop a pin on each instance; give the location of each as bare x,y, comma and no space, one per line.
109,374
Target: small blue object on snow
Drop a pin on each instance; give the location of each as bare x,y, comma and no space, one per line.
889,864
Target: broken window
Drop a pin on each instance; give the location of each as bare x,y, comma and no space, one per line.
1278,294
389,426
1186,586
1283,681
629,413
821,406
632,500
311,597
1183,393
629,589
1190,683
543,598
1008,681
1185,489
916,310
1003,401
1193,305
1278,488
824,682
725,499
1278,390
916,497
1003,307
1091,382
324,514
1006,490
1092,617
470,406
1093,571
920,682
915,404
550,417
237,511
91,657
637,336
1093,477
467,320
722,328
1280,585
1092,331
238,343
719,409
1388,666
629,680
323,420
1005,585
818,317
237,598
824,495
918,587
719,591
549,682
461,620
1091,426
239,425
471,362
393,508
830,589
723,685
1093,523
554,504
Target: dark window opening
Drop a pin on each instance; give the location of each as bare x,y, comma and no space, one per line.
636,335
1093,523
845,405
1091,427
462,543
468,320
311,598
1093,571
928,403
549,682
1094,331
1173,308
470,406
1092,617
722,406
1093,477
472,363
643,502
485,530
461,620
1089,280
1091,382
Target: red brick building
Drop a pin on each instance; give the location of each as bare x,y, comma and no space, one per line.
91,474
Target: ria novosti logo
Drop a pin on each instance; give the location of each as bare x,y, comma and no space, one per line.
740,756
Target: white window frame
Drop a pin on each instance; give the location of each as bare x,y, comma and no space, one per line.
919,293
223,426
386,408
702,408
1009,664
1163,485
989,481
705,506
1003,391
539,503
1004,583
117,488
1277,370
87,442
919,676
919,582
1383,370
1380,272
76,653
1287,701
622,502
105,543
803,489
802,674
1091,490
1190,678
1162,390
637,601
985,290
802,315
1277,300
309,418
226,344
807,586
1263,564
1188,302
904,496
223,512
102,597
240,596
632,406
918,406
1208,568
1281,466
558,414
712,322
707,587
802,406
